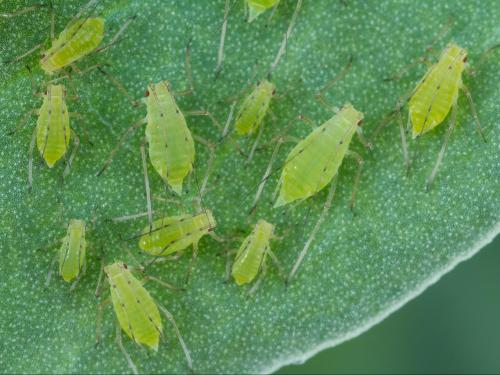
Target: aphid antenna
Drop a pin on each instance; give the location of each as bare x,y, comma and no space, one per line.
284,43
423,57
326,207
116,38
484,56
320,95
22,11
92,5
220,53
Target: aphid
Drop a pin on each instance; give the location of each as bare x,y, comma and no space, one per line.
176,233
71,254
171,144
251,256
136,311
81,37
254,108
52,132
433,98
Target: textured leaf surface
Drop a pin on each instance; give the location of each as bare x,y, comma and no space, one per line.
360,267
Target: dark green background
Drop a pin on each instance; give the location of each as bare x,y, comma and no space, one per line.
453,327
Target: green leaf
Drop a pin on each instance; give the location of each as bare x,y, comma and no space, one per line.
361,266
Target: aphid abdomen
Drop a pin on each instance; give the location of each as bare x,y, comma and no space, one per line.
52,129
171,145
72,251
135,309
438,91
74,42
251,253
175,233
254,108
314,161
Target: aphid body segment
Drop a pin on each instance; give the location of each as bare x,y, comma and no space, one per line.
72,251
252,253
256,7
77,40
438,90
254,108
52,128
171,145
135,309
315,160
175,233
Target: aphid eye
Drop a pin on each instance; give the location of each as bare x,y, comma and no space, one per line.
147,93
125,266
360,122
465,59
274,92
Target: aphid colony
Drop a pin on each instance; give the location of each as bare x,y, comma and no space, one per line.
311,165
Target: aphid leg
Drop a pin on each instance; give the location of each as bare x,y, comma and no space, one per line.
308,121
22,11
185,349
27,53
23,120
123,138
266,176
474,112
284,43
191,262
119,342
189,74
320,95
51,269
355,188
277,263
211,158
229,263
100,312
220,53
321,218
69,163
30,160
256,142
146,186
365,142
75,283
161,282
275,7
262,276
216,237
119,86
404,143
116,37
217,124
225,131
453,120
98,288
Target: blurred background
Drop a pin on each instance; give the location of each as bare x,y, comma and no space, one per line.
453,327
